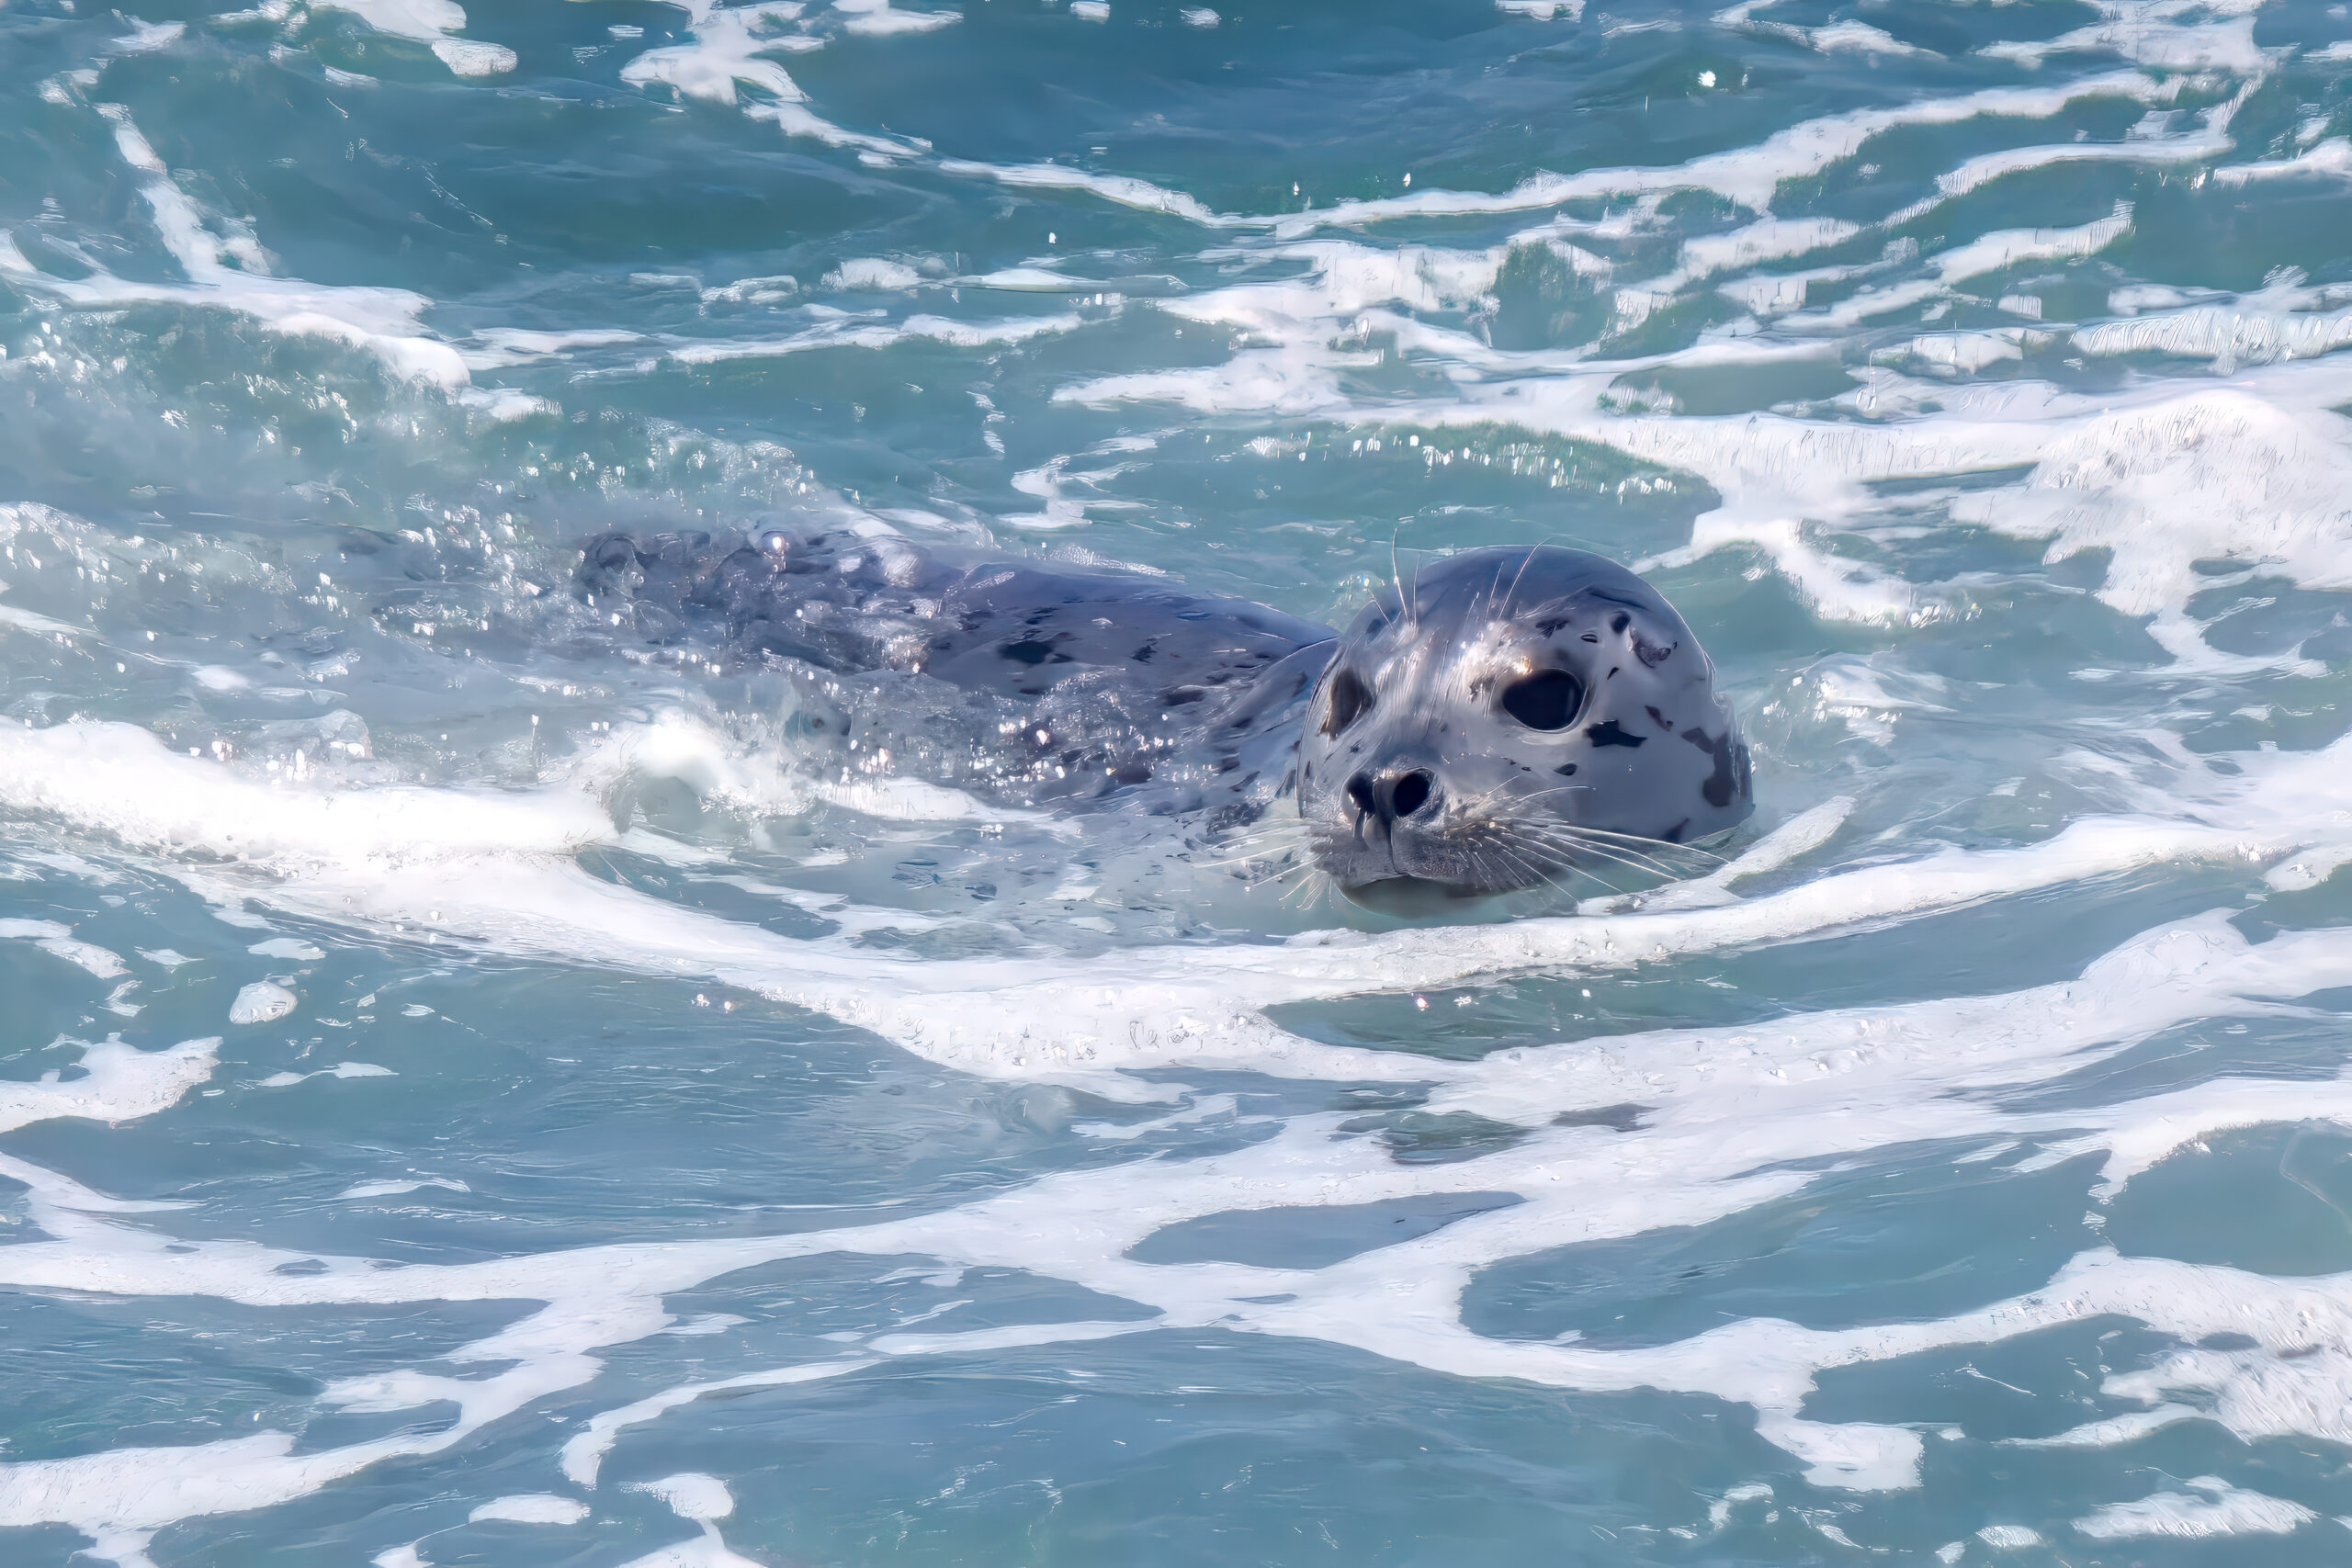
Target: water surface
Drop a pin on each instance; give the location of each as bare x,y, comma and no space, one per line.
479,1090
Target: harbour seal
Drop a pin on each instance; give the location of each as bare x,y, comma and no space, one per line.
1504,717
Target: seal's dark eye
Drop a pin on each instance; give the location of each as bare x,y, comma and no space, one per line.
1545,700
1349,697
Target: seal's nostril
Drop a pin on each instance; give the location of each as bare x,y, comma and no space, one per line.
1412,793
1360,792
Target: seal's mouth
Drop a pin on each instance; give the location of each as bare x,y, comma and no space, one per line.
1371,863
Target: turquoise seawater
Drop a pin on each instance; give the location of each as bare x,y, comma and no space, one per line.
475,1089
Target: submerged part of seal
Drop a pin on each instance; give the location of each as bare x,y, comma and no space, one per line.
1515,714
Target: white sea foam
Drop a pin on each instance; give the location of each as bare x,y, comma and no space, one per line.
31,621
226,269
2008,247
1255,381
880,18
58,939
512,346
122,1084
429,22
261,1002
1892,1072
1851,36
1123,189
2214,1507
2169,35
730,44
146,38
2330,158
873,272
2162,477
395,1189
340,1071
185,803
531,1508
1749,176
2210,140
1180,1005
584,1454
1771,239
850,333
2246,334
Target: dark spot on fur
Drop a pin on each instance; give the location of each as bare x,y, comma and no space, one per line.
1177,696
1566,769
1142,655
1027,652
1730,777
1660,720
1133,774
1609,734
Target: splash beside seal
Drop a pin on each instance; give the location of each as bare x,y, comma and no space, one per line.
1502,718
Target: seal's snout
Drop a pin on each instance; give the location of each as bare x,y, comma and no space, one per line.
1388,799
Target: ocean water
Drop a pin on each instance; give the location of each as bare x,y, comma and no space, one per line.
479,1090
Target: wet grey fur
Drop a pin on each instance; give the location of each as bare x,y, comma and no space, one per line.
1520,714
1517,714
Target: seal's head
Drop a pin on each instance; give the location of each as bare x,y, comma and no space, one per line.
1517,714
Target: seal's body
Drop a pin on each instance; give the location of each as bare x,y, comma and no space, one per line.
1512,714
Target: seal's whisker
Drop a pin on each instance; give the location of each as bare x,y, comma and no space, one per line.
1534,834
1538,861
1618,855
1485,857
1527,560
1397,577
1572,868
1691,849
1656,848
1570,861
1568,835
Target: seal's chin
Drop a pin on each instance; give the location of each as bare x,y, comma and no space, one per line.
1414,895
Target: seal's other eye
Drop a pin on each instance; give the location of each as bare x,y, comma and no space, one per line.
1349,699
1545,700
